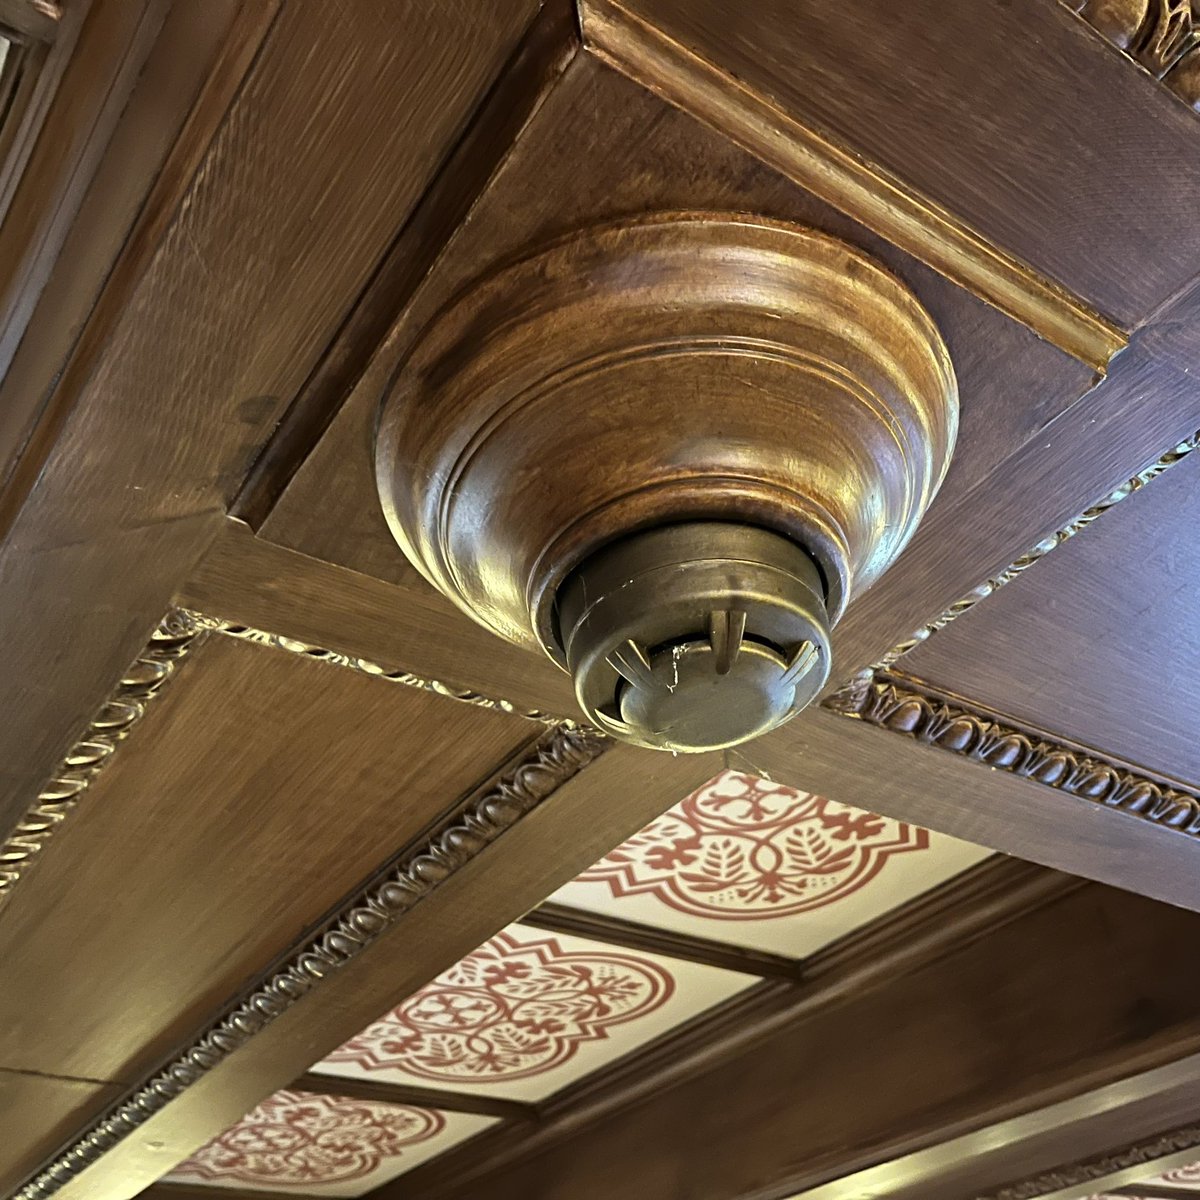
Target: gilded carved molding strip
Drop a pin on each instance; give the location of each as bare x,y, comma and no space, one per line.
1084,1174
558,755
848,696
144,680
1161,35
278,641
908,707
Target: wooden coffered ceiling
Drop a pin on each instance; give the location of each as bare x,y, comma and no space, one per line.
308,884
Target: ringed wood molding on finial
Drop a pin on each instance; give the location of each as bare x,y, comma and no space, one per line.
556,757
746,419
1161,35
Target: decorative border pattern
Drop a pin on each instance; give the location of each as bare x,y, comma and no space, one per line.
364,665
853,693
907,707
1086,1173
144,680
1161,35
178,632
559,755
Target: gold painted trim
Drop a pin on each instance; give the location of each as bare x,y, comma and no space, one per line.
912,708
559,755
140,684
866,192
1089,1173
365,666
850,693
179,632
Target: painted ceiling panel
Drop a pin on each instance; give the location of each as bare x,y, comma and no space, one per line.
307,1144
530,1012
757,864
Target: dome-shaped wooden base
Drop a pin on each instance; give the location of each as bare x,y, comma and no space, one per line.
681,367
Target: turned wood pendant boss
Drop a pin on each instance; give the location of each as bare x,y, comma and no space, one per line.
667,452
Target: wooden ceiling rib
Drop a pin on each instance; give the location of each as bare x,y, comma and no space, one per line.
243,578
40,1113
955,1035
220,758
1102,671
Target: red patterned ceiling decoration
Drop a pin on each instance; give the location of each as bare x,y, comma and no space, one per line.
744,848
510,1010
294,1139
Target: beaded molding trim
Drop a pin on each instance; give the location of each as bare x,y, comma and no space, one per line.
139,685
405,678
558,756
853,692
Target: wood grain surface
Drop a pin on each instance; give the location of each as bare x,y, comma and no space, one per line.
1100,640
236,278
855,763
530,860
643,155
258,790
399,626
1015,117
39,1111
966,1039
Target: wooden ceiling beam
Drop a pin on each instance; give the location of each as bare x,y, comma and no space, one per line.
540,818
601,927
901,118
1155,1191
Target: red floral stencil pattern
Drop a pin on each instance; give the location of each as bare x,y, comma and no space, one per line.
510,1010
743,848
298,1138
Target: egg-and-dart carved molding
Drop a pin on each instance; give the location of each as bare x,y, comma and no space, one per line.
1161,35
180,631
852,694
561,753
1083,1174
138,686
906,706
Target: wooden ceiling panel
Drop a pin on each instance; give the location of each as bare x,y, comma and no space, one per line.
1099,641
259,788
245,259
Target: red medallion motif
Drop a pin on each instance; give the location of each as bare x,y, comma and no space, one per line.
742,848
510,1010
297,1138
